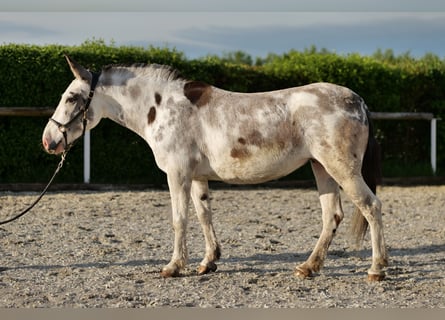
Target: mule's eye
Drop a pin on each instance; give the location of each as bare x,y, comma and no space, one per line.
71,100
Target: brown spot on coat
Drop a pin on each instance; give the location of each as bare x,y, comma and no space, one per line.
198,93
239,153
158,98
337,219
204,197
151,115
255,138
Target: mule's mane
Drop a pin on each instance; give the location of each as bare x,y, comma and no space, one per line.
154,70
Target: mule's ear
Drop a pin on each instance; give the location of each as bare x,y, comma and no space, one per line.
78,71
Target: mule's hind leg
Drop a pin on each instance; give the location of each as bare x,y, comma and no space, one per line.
370,206
332,215
201,200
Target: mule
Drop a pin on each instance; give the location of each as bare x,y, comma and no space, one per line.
199,132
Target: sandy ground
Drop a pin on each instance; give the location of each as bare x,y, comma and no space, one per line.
105,249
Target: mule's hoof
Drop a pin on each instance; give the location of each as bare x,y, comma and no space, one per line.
169,273
303,273
210,267
376,277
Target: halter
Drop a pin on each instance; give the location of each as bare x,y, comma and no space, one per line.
63,128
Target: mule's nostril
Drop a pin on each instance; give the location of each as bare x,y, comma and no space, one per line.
53,145
50,145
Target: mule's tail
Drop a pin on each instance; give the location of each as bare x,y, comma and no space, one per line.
371,172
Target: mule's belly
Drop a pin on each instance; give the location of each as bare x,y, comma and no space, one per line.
256,168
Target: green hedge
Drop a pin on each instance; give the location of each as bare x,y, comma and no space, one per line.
37,75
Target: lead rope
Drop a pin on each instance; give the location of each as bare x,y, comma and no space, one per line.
59,166
94,82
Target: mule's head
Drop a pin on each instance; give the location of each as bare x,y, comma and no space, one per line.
72,115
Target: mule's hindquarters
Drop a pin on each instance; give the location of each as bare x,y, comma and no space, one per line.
371,172
340,164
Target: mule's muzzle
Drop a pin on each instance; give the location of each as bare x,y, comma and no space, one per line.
52,146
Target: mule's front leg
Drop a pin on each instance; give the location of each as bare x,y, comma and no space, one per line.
180,197
201,200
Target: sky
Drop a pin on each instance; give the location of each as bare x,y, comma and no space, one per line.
257,27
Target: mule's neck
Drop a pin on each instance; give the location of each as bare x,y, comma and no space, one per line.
126,98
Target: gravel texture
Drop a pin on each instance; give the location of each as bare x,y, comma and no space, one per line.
105,249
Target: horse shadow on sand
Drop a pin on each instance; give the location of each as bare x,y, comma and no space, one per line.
405,263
